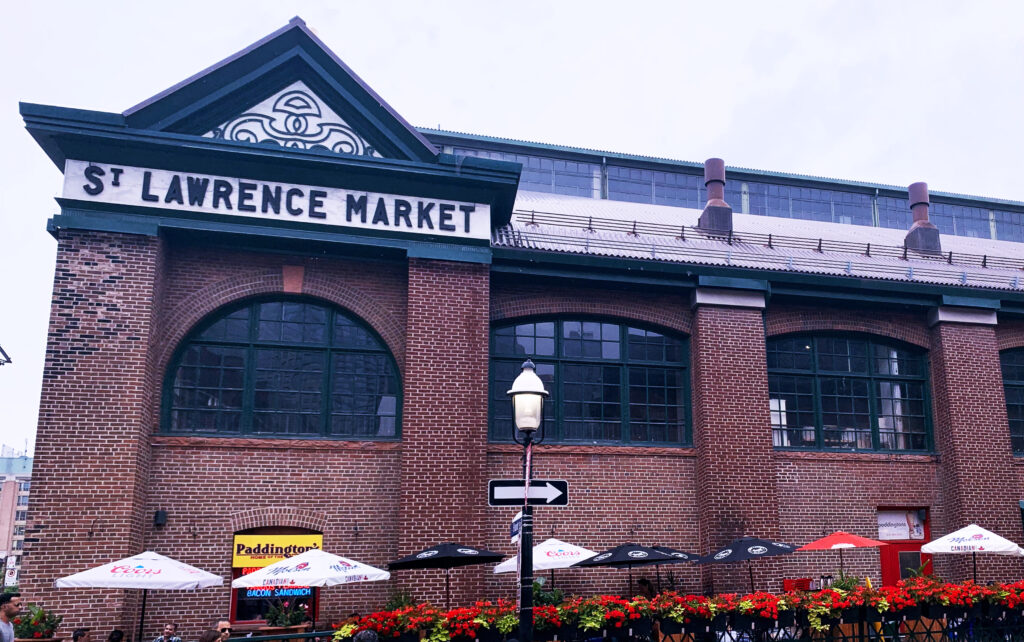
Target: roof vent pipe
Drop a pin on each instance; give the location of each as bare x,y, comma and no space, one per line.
923,235
717,215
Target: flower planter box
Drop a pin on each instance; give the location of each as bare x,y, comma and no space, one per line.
852,615
567,633
786,619
909,613
669,627
640,628
490,635
741,622
284,630
935,611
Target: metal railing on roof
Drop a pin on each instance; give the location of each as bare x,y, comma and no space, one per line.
772,241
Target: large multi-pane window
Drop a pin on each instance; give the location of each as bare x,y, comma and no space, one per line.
283,368
1012,362
609,382
847,393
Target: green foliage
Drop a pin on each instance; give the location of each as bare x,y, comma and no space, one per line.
285,614
544,597
844,582
921,570
399,599
36,622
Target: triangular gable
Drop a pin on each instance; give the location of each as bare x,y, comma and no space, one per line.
295,117
262,79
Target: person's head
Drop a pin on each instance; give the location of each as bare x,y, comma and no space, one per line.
366,635
224,628
211,635
80,635
115,636
10,604
170,630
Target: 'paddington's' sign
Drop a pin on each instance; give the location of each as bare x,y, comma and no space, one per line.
125,185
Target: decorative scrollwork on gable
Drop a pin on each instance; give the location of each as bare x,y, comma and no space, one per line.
295,117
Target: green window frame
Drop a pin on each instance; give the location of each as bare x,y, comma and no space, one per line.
849,393
611,383
280,367
1012,364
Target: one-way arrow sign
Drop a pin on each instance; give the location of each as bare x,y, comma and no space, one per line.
543,492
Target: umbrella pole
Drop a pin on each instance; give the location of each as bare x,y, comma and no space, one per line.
552,578
657,569
142,614
629,567
750,570
974,554
841,572
448,588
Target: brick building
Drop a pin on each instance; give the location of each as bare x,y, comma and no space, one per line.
15,485
280,313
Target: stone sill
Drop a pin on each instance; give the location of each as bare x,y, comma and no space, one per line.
583,449
259,443
853,456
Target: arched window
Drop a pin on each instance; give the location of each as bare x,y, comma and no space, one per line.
848,393
609,383
283,368
1012,362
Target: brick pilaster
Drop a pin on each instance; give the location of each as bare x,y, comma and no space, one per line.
92,448
444,423
732,433
972,437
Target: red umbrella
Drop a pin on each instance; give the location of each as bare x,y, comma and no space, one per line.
838,541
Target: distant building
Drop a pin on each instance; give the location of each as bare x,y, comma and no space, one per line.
16,476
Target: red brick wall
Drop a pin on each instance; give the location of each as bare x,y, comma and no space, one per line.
732,433
444,425
973,440
92,454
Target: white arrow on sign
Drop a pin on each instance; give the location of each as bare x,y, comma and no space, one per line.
546,492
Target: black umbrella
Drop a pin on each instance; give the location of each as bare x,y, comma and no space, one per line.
628,555
746,549
677,558
446,556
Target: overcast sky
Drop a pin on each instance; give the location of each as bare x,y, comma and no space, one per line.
891,92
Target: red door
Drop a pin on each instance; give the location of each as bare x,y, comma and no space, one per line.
901,557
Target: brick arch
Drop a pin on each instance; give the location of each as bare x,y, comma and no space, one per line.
903,327
672,317
277,516
184,317
1010,334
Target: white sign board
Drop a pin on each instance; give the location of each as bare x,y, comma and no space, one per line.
11,577
899,524
265,200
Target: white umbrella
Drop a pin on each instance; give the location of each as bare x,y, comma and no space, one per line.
312,568
973,539
144,571
549,554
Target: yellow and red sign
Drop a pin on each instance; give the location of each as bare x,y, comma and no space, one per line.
257,551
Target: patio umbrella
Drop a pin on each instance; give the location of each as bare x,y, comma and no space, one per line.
312,568
549,555
628,555
144,571
838,541
446,556
973,539
747,549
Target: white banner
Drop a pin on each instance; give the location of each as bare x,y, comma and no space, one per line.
210,194
899,524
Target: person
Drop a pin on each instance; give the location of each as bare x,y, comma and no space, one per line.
170,634
224,627
211,635
10,607
117,635
646,589
81,635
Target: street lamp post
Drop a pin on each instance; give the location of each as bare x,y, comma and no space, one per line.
527,395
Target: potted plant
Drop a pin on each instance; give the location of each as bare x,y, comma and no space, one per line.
285,617
36,624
